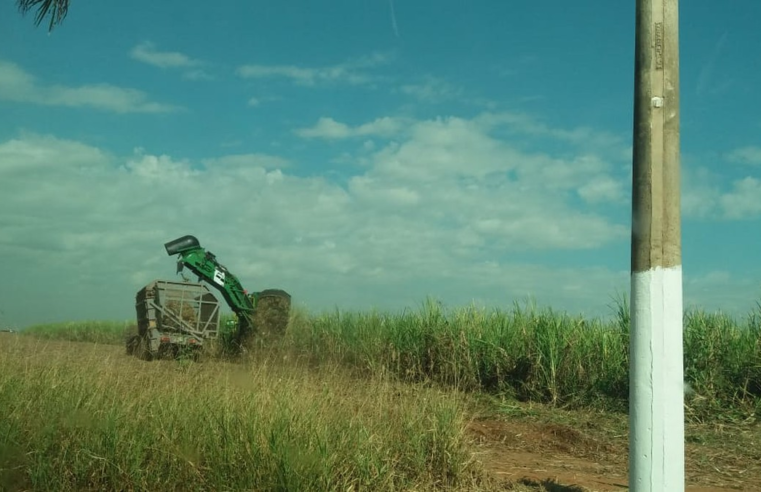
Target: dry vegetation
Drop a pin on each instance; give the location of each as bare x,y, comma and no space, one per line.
180,310
87,417
271,317
465,400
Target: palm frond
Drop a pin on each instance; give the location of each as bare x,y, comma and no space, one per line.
56,8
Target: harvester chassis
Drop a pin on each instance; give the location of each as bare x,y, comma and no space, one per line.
172,318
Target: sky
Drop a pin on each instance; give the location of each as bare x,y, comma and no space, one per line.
364,154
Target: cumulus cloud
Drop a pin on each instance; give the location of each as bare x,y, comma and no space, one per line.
197,74
330,129
352,72
750,154
17,85
431,89
439,211
257,101
603,189
706,195
743,200
146,52
247,160
473,149
446,208
591,139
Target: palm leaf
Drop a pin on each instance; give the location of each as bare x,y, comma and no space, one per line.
56,8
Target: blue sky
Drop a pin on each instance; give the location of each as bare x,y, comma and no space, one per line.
363,153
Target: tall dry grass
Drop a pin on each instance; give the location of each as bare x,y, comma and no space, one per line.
534,354
539,355
95,331
88,417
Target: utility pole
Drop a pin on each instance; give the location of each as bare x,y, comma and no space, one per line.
656,405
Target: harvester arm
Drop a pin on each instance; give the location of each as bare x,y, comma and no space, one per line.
204,264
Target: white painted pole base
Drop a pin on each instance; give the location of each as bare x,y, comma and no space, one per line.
656,407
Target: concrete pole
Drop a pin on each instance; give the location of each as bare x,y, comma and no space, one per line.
656,408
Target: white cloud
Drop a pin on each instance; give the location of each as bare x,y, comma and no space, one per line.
430,215
603,189
487,190
709,195
443,210
257,101
18,85
461,148
330,129
146,52
746,155
238,161
706,196
197,74
49,157
599,141
431,89
743,200
699,192
353,72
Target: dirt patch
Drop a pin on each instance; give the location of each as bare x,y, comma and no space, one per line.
561,457
553,456
547,437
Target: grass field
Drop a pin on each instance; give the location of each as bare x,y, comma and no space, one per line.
538,355
86,417
465,399
104,332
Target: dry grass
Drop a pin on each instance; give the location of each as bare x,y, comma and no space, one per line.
540,355
87,417
528,353
81,416
327,391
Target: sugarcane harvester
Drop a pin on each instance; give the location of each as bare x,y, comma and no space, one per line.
204,264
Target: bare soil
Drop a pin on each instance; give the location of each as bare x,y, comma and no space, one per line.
536,448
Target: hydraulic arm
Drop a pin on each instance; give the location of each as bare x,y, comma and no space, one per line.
204,264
